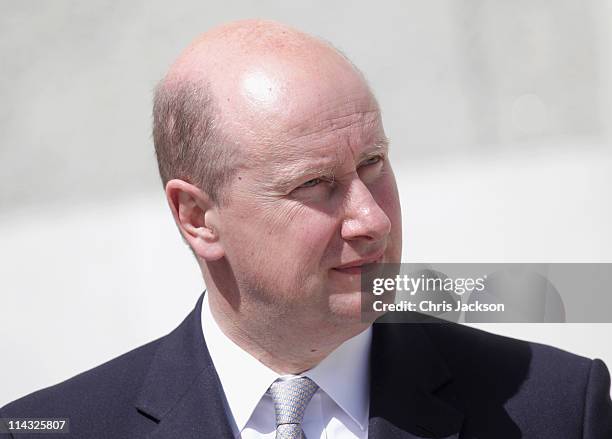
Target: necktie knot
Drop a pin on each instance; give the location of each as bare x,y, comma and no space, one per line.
290,400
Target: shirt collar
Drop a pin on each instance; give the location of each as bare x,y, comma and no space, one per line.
342,375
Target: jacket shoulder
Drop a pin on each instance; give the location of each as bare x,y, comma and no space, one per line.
538,387
460,345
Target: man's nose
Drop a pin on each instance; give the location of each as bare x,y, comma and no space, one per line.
364,218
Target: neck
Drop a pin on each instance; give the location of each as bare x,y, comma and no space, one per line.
285,345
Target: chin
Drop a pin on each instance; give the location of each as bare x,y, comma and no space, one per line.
345,307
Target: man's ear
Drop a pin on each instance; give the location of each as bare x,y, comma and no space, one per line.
195,215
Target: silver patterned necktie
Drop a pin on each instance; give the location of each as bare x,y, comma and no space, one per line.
290,400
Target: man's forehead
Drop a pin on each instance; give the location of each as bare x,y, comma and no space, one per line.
325,135
341,150
341,116
281,106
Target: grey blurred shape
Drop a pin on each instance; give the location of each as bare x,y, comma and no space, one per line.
527,296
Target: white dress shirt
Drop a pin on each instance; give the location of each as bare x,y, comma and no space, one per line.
338,410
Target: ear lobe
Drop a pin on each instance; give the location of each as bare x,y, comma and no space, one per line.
194,214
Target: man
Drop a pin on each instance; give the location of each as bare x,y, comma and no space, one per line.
276,168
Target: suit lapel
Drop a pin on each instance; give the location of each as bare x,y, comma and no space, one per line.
409,393
181,391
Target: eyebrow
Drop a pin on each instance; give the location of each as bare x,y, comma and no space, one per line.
287,176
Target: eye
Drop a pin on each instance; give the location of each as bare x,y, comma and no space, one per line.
372,160
317,184
310,183
314,182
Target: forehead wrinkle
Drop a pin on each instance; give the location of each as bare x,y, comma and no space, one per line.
336,115
346,130
334,125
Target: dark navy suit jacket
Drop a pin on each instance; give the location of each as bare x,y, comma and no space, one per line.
427,380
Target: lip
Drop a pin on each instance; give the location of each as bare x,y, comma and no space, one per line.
356,266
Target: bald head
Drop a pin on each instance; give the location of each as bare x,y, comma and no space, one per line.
224,53
244,84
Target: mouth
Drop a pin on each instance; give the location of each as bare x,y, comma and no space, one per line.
360,265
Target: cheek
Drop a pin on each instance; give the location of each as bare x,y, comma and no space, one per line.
277,257
292,235
306,236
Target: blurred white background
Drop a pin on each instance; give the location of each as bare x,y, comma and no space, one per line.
499,113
